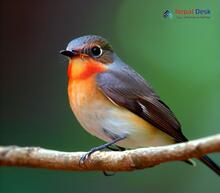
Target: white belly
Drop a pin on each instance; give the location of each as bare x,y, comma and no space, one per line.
120,122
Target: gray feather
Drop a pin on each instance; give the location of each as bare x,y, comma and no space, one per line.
127,88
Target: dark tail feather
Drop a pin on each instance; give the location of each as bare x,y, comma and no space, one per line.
211,164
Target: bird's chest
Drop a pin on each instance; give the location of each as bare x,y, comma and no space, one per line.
88,103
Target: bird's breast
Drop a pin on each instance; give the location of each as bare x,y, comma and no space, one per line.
88,104
102,118
84,95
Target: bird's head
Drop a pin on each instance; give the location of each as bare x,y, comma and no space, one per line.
88,55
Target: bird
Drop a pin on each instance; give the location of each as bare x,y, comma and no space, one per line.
114,103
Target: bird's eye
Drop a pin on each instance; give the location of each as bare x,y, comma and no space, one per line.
96,51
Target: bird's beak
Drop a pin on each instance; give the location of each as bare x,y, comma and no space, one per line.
68,53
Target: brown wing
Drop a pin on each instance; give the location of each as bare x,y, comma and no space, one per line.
128,89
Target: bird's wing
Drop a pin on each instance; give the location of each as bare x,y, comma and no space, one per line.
128,89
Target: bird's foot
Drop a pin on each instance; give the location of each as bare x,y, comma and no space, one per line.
101,147
86,156
116,148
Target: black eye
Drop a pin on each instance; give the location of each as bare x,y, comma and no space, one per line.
96,51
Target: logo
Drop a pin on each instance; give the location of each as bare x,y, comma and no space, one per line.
188,13
167,14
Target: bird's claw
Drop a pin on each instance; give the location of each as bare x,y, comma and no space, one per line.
84,158
108,173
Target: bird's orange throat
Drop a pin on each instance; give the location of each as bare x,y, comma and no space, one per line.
84,67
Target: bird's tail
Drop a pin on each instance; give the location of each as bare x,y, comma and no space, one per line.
211,164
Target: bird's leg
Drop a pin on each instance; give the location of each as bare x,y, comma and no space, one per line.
101,147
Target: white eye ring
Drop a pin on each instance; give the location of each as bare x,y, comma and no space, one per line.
96,51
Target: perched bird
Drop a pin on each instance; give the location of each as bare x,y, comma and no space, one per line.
114,103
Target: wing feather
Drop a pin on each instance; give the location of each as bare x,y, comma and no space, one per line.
128,89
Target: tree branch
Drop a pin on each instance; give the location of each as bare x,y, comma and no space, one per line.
107,161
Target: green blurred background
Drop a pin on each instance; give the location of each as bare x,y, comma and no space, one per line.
179,57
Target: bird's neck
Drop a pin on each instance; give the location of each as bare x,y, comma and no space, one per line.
82,68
